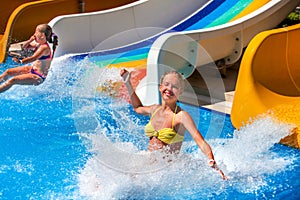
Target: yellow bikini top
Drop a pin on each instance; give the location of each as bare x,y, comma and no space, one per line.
166,135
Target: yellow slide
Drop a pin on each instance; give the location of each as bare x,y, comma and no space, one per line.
21,17
269,80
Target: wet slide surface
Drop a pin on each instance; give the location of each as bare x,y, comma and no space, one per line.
21,17
211,15
214,13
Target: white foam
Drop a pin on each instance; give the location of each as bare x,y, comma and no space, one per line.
119,170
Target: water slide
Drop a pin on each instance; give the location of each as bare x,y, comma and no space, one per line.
132,36
222,35
120,27
19,18
141,35
269,80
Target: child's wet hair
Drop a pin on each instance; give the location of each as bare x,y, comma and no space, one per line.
179,76
47,30
50,36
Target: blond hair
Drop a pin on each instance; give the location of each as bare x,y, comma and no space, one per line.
179,76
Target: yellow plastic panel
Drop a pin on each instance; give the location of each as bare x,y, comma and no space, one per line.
268,80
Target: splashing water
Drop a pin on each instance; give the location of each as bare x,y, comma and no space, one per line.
105,155
121,168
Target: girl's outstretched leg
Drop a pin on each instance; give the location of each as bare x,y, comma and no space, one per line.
5,86
14,72
3,76
24,79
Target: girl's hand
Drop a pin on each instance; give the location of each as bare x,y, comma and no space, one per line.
125,75
27,44
223,175
122,72
32,38
213,164
16,60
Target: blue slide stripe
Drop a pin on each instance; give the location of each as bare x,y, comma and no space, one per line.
209,8
218,12
201,19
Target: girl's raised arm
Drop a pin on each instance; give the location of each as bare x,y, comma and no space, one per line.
134,99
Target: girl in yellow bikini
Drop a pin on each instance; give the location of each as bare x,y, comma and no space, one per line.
168,121
41,58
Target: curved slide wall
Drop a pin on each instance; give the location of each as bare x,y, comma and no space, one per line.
230,24
19,18
23,20
186,49
7,7
269,80
109,29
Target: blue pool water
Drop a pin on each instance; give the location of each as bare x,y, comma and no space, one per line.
63,140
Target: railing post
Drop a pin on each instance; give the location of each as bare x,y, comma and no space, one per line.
81,4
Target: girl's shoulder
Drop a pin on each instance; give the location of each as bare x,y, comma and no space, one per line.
182,114
154,107
180,111
45,45
44,48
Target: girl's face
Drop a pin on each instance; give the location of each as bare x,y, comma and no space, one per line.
170,88
40,37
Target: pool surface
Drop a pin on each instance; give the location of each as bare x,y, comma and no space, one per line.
64,140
